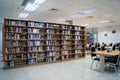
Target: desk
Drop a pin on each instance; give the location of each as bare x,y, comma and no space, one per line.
102,57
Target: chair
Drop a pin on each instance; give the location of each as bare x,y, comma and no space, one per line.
113,61
98,47
93,57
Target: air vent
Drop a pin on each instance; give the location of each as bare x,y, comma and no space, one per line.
90,17
54,9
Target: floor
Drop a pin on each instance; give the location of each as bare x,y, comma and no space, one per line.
70,70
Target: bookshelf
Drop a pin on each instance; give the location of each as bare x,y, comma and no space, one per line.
31,42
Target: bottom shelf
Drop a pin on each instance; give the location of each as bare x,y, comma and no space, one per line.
41,63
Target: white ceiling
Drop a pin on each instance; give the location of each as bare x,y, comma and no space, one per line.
12,9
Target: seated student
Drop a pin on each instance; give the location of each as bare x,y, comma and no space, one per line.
105,45
117,44
110,44
114,47
103,48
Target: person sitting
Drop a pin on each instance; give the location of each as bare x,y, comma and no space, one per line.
103,48
114,47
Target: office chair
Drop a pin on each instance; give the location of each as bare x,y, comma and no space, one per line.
113,61
93,57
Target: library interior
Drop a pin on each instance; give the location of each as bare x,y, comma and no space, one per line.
54,40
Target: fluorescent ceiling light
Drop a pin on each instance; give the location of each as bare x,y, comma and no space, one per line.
104,21
39,1
34,6
91,10
61,19
31,7
84,24
76,15
107,15
23,15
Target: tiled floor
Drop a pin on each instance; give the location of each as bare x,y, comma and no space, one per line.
70,70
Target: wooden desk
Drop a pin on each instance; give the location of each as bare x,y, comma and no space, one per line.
102,57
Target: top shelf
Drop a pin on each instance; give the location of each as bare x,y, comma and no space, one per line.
41,25
45,28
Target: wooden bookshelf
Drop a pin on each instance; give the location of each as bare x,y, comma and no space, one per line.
33,42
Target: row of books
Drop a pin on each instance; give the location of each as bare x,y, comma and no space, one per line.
36,24
66,37
50,25
15,36
65,31
64,52
10,63
49,31
35,43
77,42
15,23
66,27
78,32
9,56
77,28
52,48
15,56
78,46
78,51
11,43
13,29
32,61
35,49
64,47
66,42
51,53
32,55
34,36
51,42
50,36
16,50
77,37
52,58
32,30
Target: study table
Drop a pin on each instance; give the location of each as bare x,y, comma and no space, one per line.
102,57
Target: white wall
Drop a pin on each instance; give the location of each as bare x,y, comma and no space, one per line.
111,37
1,36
